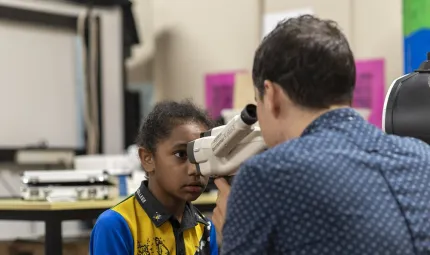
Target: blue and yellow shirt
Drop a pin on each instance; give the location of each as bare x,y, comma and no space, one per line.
140,225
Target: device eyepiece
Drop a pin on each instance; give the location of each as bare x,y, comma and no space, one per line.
249,114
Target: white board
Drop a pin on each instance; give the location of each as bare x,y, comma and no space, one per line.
112,70
38,86
270,20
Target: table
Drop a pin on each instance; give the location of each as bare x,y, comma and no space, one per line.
54,213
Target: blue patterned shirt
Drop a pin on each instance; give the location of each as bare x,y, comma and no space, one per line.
343,187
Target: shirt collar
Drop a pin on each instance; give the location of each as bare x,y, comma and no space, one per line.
158,213
332,118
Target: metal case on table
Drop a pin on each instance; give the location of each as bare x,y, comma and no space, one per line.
64,185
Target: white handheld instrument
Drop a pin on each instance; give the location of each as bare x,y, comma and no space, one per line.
221,150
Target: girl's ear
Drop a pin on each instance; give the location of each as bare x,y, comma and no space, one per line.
147,160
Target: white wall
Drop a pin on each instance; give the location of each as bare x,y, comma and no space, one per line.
140,64
338,10
378,33
197,37
187,39
193,37
373,28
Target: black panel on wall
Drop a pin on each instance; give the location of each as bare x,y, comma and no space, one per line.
132,116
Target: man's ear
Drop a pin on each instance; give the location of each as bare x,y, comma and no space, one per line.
147,160
272,99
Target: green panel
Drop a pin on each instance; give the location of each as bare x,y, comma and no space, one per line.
416,15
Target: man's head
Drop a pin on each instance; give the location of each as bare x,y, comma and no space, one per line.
303,68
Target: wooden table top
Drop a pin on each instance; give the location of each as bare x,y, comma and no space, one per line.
17,204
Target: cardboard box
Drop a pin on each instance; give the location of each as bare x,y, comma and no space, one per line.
243,91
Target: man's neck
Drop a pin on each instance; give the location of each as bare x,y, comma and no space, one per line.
173,205
301,118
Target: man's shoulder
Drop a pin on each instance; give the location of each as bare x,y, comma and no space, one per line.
405,143
320,152
406,150
288,153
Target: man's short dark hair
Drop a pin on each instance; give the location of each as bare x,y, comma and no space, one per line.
310,59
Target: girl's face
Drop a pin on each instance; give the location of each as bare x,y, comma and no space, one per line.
172,172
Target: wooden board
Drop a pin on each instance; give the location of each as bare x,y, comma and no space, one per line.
243,91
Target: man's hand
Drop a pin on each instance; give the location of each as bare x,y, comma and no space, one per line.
218,217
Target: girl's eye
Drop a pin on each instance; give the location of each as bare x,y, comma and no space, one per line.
181,154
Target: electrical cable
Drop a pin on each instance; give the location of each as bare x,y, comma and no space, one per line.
91,145
94,34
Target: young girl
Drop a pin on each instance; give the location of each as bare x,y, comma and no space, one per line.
159,218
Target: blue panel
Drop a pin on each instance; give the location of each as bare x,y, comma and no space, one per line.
416,46
122,183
